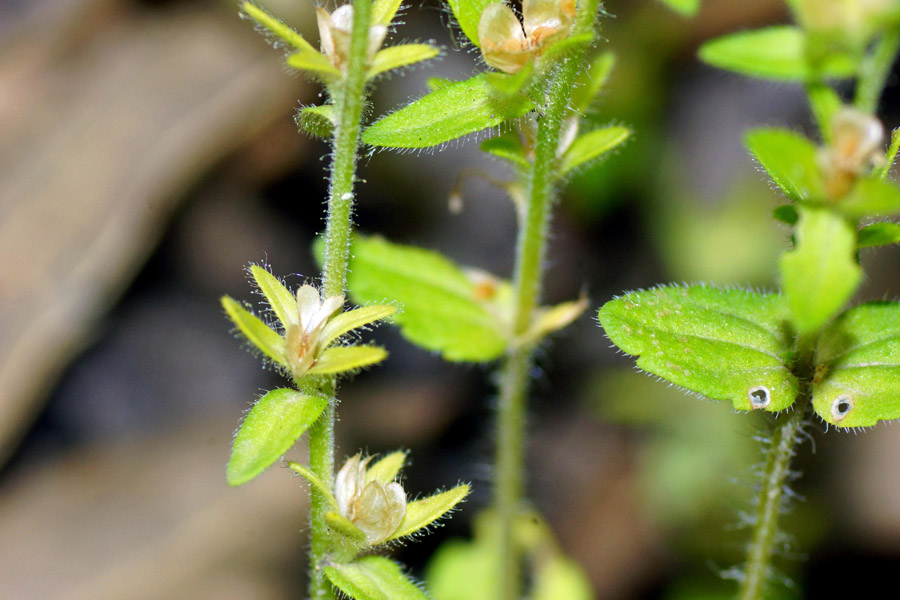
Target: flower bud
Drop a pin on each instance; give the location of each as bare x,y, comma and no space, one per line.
856,140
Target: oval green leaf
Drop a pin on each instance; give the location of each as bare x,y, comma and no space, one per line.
271,427
446,114
591,146
789,159
878,234
373,578
724,344
857,381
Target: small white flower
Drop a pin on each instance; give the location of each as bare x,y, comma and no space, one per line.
335,30
303,335
374,507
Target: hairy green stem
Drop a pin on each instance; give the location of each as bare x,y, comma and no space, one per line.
874,71
781,449
515,372
349,97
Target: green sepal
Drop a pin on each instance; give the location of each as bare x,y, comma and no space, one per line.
394,57
786,213
317,121
551,319
590,146
777,52
687,8
282,301
468,15
275,27
313,480
561,578
373,578
353,319
271,427
440,309
507,147
347,358
789,159
421,513
878,234
590,81
257,333
384,11
871,197
446,114
314,62
511,83
820,274
345,526
726,344
857,381
824,102
387,468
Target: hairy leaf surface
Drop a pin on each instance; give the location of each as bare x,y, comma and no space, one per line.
373,578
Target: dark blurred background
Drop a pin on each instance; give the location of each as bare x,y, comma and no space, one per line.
148,153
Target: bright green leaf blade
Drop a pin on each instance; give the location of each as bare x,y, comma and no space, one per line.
354,319
347,358
313,61
871,197
858,378
561,578
771,53
508,148
789,159
592,145
439,307
394,57
373,578
387,468
591,80
878,234
275,27
345,526
257,333
468,14
272,426
421,513
383,11
446,114
688,8
282,301
820,274
724,344
462,570
317,121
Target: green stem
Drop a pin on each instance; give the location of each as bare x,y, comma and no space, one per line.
528,279
874,71
349,97
781,449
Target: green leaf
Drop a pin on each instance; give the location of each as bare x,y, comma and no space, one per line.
317,121
383,11
272,426
824,102
282,301
550,319
461,570
421,513
373,578
387,468
871,197
591,80
445,114
510,84
347,358
786,213
820,274
257,333
724,344
440,308
878,234
771,53
313,480
508,148
394,57
590,146
560,578
688,8
275,27
315,62
857,382
353,319
468,14
789,159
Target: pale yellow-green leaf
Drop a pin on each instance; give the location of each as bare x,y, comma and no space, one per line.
373,578
421,513
282,301
347,358
383,11
552,319
394,57
313,480
344,526
257,333
354,319
590,146
387,468
313,61
276,27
